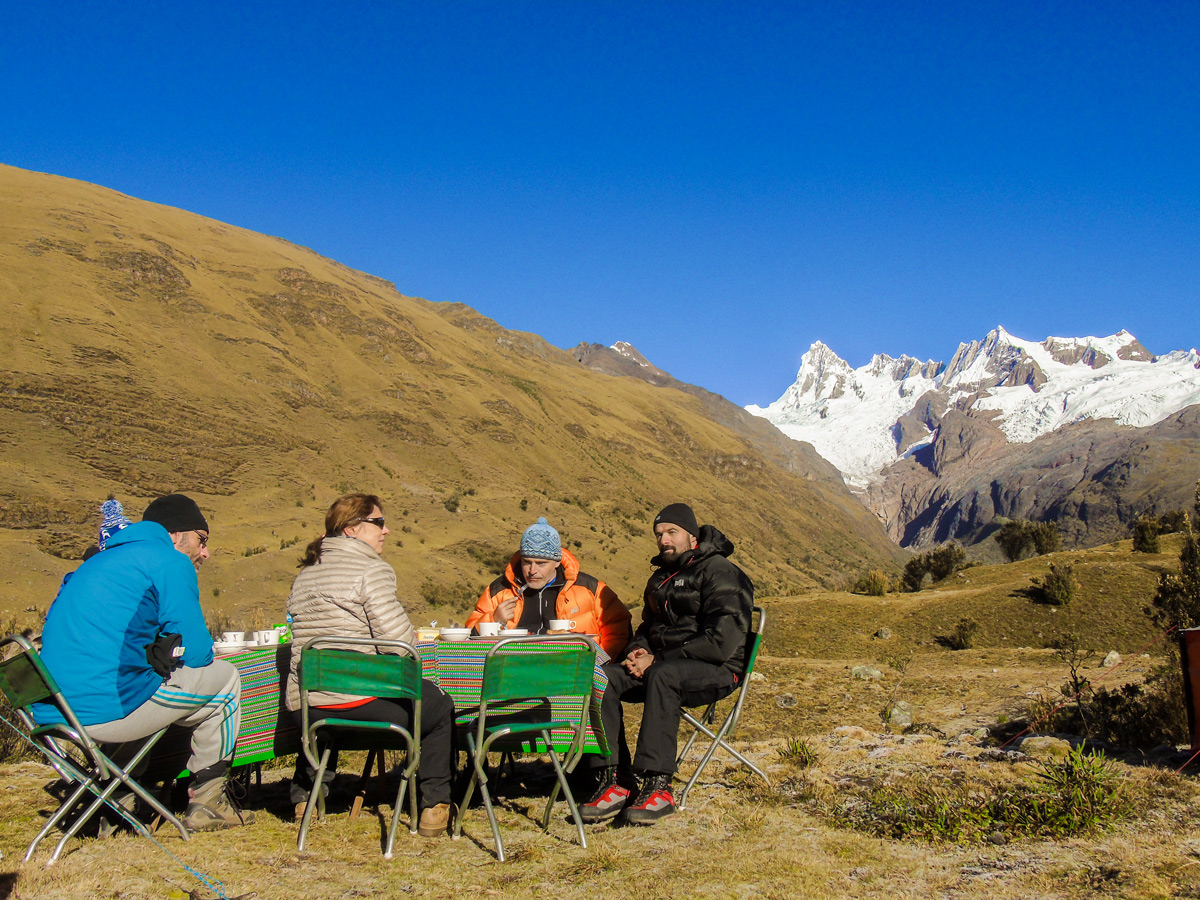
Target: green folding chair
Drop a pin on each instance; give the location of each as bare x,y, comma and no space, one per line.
702,724
67,747
511,677
326,667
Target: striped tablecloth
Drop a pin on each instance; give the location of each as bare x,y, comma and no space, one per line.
457,668
268,729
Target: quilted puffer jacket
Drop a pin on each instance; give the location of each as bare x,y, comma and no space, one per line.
350,592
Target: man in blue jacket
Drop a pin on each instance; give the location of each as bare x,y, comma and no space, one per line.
107,615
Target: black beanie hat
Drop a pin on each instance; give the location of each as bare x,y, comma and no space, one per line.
176,512
679,514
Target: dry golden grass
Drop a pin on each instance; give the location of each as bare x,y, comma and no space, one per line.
738,837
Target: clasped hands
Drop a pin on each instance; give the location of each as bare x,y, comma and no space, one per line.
638,661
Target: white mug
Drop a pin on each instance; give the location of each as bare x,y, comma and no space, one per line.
488,629
562,625
267,637
233,637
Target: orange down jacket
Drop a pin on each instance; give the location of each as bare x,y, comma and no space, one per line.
591,603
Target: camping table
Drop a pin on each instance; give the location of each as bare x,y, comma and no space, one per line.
457,668
268,729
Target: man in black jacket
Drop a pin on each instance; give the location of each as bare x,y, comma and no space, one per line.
688,651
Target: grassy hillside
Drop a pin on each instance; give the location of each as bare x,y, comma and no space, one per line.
147,349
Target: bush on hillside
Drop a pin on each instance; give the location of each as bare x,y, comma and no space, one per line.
1174,522
1057,588
1145,534
1014,539
874,584
938,564
915,571
1018,537
1045,538
1177,599
946,560
963,635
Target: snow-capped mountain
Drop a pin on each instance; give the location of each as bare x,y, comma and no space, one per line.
863,420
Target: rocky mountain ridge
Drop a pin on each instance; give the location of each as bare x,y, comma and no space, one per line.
939,451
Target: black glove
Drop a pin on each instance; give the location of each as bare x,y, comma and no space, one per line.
165,653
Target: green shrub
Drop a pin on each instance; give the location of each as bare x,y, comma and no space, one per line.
873,584
915,571
1177,598
1019,536
946,560
1058,588
1045,538
1066,798
1014,539
963,635
254,551
1145,534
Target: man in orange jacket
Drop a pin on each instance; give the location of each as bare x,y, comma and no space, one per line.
542,582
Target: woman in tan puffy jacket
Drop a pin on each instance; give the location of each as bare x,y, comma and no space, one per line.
345,588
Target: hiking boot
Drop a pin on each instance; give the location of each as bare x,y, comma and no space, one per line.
210,808
608,800
434,820
654,801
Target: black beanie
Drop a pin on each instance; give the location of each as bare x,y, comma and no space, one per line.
176,512
679,514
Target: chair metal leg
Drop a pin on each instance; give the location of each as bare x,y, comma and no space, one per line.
718,740
315,799
60,813
566,789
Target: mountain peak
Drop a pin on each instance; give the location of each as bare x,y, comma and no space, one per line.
864,419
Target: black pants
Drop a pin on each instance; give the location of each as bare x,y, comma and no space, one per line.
667,686
437,723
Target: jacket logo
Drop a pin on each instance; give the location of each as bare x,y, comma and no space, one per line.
678,582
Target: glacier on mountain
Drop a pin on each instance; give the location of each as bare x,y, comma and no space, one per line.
864,419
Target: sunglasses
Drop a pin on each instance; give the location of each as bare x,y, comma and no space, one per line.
377,521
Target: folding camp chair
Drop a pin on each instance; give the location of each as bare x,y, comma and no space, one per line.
703,723
511,676
331,669
74,755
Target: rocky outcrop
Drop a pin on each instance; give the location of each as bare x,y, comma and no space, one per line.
1091,478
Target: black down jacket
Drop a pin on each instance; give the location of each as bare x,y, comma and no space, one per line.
699,606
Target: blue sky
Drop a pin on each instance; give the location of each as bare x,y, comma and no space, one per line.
721,184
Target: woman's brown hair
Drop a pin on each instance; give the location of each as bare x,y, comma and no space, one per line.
347,510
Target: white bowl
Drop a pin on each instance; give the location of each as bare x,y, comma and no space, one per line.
221,648
455,634
514,632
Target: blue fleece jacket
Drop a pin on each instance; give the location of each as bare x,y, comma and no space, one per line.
105,614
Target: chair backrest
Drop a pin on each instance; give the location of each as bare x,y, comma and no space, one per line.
336,670
511,674
753,644
754,639
24,679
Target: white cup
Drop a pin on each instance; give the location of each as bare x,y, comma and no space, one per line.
267,637
233,637
488,629
562,625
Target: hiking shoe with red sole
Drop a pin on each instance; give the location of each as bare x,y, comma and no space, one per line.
654,801
607,802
